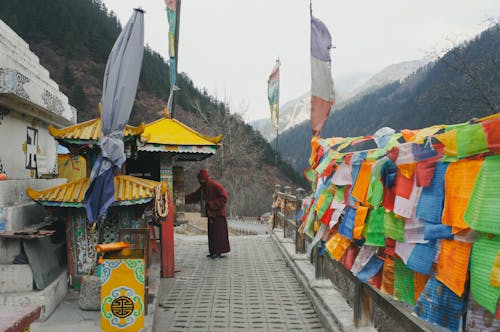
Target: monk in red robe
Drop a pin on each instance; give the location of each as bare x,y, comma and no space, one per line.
213,199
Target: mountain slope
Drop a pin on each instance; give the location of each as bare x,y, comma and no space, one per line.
390,74
296,111
292,113
463,84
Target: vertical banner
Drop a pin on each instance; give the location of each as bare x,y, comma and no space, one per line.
172,25
322,92
273,94
119,88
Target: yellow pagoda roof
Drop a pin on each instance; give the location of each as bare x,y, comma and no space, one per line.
90,130
129,190
172,132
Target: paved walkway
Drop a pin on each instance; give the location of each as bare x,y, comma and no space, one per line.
251,289
252,227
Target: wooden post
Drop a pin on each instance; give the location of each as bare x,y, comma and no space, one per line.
362,305
277,189
319,264
70,257
300,246
283,213
167,226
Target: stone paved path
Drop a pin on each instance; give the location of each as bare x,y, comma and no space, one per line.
249,290
253,227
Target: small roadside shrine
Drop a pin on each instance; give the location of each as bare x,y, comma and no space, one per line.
163,143
151,151
415,217
132,196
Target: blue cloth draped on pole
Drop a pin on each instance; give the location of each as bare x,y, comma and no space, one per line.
121,78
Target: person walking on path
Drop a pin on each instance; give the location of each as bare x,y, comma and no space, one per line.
213,200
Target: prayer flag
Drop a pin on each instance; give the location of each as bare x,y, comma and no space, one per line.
322,92
273,93
121,78
172,29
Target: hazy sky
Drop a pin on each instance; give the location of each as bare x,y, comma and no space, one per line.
229,46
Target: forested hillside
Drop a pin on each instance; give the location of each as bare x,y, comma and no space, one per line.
462,84
73,40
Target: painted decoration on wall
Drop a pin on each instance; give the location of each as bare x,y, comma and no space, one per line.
84,245
31,147
12,81
85,240
52,103
122,294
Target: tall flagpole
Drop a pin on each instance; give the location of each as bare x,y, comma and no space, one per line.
167,224
276,152
176,47
273,96
278,126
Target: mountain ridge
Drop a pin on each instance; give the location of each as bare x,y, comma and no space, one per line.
459,86
297,111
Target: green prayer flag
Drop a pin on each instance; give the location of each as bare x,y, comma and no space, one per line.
339,194
374,228
471,140
325,202
394,227
404,287
326,161
484,204
483,255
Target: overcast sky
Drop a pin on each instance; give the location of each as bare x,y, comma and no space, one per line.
229,46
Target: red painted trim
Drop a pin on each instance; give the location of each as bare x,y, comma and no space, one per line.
18,318
167,243
70,258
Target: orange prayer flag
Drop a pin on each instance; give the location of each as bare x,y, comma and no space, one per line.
419,280
459,182
407,170
360,189
408,134
388,277
453,264
337,246
359,221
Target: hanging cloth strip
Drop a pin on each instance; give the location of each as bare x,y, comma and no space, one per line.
492,130
453,264
482,259
388,277
419,280
431,201
459,183
484,204
404,287
336,246
439,305
422,257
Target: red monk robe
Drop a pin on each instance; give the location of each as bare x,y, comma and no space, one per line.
214,198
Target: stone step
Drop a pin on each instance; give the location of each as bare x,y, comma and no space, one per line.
48,299
15,278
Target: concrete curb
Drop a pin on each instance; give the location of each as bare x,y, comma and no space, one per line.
154,290
333,310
